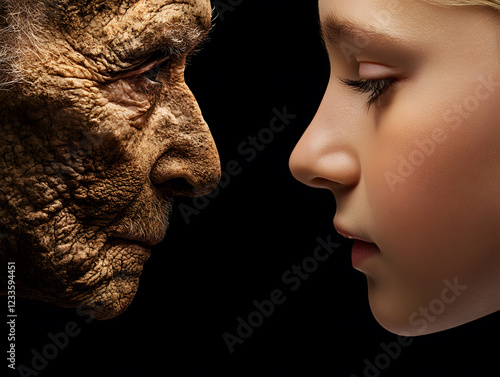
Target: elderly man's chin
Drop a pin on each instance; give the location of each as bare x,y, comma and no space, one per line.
111,294
100,282
98,270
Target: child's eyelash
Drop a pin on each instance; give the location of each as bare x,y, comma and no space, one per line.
375,87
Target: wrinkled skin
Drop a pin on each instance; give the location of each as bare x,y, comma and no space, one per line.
92,151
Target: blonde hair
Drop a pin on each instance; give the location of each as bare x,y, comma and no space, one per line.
495,4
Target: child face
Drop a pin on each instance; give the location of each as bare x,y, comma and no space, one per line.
413,155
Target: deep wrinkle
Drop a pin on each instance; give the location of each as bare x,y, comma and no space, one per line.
104,156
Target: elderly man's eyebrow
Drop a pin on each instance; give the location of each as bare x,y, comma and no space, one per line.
179,41
335,29
184,38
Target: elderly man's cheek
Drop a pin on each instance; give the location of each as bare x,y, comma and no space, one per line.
133,99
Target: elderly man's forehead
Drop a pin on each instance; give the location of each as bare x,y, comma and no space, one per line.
86,10
122,31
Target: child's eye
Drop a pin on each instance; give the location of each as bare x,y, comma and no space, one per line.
375,87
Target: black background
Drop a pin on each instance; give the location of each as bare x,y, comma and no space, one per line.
262,55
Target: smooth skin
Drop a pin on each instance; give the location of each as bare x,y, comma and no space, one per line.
418,173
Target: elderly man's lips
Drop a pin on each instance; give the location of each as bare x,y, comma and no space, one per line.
133,247
140,240
144,242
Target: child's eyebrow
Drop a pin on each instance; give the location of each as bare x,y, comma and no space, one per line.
335,29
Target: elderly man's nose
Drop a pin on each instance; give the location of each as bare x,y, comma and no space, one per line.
188,168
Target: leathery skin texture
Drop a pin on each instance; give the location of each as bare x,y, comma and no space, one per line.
94,146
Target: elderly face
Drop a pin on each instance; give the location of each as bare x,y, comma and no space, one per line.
408,140
99,132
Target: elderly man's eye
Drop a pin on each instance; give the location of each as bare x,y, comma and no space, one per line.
150,70
153,73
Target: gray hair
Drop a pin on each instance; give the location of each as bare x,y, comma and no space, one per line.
20,31
22,37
